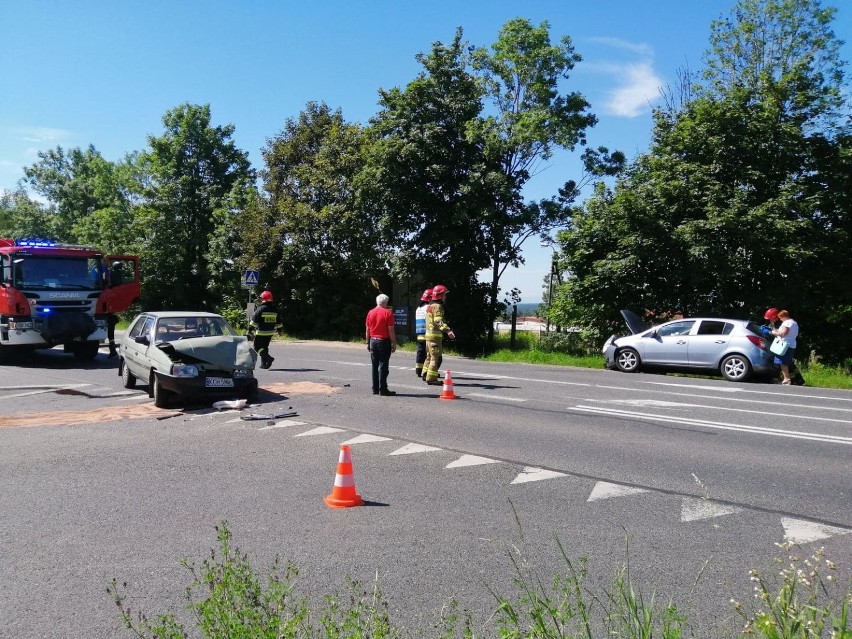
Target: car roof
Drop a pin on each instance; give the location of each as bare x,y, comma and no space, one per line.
637,325
170,314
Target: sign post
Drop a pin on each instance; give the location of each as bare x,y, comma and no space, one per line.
250,280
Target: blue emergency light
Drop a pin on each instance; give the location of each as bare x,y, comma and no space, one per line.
35,242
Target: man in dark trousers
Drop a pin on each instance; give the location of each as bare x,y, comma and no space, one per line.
381,342
264,323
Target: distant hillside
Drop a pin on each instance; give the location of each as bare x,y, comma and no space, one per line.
530,308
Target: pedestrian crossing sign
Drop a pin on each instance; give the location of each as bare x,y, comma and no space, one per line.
251,278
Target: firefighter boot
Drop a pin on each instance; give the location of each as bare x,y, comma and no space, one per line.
112,350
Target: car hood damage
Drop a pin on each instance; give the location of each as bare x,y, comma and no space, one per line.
225,353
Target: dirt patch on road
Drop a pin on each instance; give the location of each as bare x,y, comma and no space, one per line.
300,388
80,417
140,411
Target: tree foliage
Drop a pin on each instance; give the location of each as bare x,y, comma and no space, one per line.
313,243
194,172
742,201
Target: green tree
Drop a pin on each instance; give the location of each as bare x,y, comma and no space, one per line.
191,171
532,117
21,216
729,211
319,248
429,182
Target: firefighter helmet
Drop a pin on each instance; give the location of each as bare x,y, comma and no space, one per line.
266,296
439,291
427,295
771,314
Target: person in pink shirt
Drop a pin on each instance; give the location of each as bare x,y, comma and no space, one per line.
381,342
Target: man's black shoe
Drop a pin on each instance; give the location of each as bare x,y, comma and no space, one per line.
387,393
375,392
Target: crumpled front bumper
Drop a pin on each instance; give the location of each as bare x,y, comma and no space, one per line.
197,386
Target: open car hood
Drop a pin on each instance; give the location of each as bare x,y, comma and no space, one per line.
226,352
635,323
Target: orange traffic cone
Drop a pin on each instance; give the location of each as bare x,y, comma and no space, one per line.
447,392
344,494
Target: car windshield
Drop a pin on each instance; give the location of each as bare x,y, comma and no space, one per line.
170,329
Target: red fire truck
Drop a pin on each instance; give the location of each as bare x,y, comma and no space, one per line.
52,293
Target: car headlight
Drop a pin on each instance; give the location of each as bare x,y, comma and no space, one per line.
184,370
241,373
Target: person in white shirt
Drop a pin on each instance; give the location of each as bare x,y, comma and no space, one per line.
788,331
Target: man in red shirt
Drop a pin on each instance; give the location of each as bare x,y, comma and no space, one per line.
381,342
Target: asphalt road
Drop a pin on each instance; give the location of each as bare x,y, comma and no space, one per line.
693,480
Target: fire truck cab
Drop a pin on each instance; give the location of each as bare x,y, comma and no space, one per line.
52,293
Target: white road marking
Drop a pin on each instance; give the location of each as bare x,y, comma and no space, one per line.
606,490
530,473
320,430
410,449
123,393
471,460
719,425
500,397
39,389
694,509
366,439
659,403
800,531
743,410
137,397
723,389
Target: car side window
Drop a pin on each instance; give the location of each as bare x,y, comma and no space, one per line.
675,328
136,329
147,326
714,327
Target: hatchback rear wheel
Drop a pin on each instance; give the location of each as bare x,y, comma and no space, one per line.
627,360
735,368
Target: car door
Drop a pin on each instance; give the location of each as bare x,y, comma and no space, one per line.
709,342
135,357
669,344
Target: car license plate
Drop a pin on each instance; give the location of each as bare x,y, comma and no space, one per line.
219,382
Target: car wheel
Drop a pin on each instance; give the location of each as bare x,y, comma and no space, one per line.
735,368
160,394
126,376
627,360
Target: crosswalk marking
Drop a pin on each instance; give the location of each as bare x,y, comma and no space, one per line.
410,449
800,531
607,490
529,473
694,509
367,439
320,430
471,460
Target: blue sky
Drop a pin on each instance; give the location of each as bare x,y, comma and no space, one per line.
104,72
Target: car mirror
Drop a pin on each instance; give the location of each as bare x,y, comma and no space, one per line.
142,339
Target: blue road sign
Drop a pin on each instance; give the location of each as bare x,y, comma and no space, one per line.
251,278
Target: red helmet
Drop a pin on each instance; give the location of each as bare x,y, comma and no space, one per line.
266,296
427,295
771,314
439,291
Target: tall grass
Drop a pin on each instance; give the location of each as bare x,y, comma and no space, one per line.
227,599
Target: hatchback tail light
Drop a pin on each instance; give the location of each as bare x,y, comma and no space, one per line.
757,341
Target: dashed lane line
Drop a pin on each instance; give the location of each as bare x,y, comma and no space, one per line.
776,432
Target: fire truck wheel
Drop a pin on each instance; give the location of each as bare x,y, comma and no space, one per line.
126,376
86,351
160,394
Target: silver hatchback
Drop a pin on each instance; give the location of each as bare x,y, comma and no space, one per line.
732,347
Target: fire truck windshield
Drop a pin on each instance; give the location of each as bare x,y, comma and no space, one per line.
37,272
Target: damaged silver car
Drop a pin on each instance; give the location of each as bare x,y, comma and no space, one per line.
733,348
187,354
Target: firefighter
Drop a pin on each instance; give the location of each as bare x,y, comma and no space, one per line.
420,330
264,324
436,327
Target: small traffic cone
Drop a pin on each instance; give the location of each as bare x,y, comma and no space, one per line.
447,391
344,494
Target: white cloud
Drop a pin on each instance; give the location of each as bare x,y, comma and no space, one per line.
638,87
40,134
617,43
